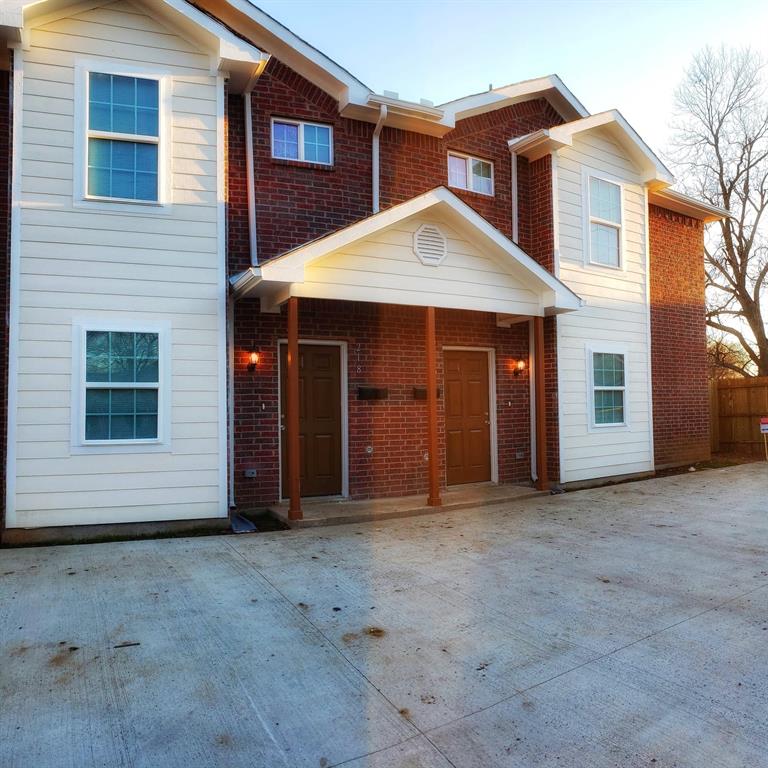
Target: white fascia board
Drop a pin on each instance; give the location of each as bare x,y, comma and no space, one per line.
614,120
290,49
289,268
550,87
688,206
535,145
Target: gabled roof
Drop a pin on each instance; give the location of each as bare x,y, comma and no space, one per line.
539,143
289,268
240,58
550,88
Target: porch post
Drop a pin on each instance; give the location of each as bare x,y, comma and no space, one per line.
542,482
433,500
292,411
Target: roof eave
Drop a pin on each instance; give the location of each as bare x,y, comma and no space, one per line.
678,202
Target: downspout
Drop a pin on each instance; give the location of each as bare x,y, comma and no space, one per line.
513,177
250,193
250,181
375,156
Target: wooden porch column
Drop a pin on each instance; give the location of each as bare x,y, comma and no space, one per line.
542,482
292,412
433,500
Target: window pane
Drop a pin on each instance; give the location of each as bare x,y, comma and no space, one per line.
482,177
608,369
122,169
457,172
123,104
604,244
609,406
121,428
96,401
605,200
122,357
121,414
285,142
97,427
317,144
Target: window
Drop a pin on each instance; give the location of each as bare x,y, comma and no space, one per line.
122,386
306,142
604,222
470,173
608,388
123,138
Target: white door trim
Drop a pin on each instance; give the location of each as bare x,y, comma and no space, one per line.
492,404
343,355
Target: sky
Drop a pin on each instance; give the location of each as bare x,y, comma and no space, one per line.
625,54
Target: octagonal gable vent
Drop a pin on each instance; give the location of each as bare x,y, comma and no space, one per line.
430,245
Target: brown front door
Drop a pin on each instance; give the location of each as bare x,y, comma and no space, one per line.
467,417
319,419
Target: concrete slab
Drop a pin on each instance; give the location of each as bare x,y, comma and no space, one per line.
616,626
324,512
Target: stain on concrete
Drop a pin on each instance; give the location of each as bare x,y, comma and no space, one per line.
375,631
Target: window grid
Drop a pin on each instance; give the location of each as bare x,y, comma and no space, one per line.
609,387
123,137
122,386
470,173
302,141
604,222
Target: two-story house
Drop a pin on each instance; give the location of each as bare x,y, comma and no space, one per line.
235,275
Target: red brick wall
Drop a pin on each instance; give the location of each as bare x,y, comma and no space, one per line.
298,202
386,349
678,339
5,196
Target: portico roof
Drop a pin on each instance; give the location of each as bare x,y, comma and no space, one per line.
432,250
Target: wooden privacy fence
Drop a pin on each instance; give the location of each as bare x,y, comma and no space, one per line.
736,408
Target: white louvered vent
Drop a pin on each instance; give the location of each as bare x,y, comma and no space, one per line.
430,245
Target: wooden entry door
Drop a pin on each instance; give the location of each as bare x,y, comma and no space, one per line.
467,417
319,419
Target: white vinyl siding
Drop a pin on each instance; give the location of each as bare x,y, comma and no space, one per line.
614,318
107,264
384,268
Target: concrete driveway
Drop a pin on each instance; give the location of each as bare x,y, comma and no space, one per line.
625,626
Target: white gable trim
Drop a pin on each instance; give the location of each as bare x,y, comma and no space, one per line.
539,143
287,272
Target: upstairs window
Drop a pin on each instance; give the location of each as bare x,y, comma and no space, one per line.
604,223
470,173
122,386
305,142
608,389
123,138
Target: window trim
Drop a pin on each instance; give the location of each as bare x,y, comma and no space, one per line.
300,124
162,443
467,159
609,349
589,219
81,198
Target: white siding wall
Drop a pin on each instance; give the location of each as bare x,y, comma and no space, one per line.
616,314
136,265
384,268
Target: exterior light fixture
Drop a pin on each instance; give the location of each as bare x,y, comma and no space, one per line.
253,361
518,367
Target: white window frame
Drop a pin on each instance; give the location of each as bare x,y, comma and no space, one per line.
81,198
300,124
161,443
609,349
468,160
587,174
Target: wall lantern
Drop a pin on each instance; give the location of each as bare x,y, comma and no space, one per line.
253,361
518,366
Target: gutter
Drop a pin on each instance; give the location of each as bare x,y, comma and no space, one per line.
249,173
375,157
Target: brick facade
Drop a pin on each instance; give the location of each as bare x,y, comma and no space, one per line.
386,349
678,339
297,202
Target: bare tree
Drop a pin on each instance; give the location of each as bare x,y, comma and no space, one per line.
721,151
726,358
